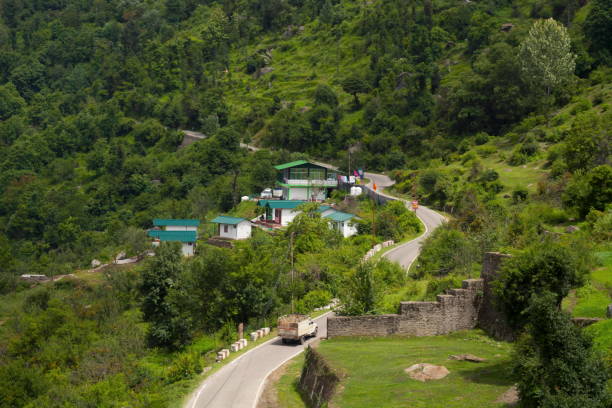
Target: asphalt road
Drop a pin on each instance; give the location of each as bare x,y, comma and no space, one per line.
405,254
240,383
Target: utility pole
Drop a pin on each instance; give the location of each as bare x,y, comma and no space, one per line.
292,271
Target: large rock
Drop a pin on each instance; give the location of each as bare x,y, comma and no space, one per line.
95,263
467,357
571,229
426,372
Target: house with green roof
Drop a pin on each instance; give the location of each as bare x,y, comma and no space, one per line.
176,224
304,180
280,212
186,238
342,222
184,231
232,227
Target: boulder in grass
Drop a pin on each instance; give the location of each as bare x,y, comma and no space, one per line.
467,357
426,372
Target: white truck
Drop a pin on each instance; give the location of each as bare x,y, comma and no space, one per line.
296,327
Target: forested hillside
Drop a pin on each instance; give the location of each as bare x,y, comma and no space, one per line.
497,112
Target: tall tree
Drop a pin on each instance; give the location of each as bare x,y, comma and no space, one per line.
545,55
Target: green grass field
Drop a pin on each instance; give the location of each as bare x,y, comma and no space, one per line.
374,368
592,299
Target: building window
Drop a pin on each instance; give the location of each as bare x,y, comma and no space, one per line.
317,174
298,173
225,228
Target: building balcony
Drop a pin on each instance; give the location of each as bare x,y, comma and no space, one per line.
307,183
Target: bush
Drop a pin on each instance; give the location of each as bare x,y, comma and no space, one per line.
542,267
555,364
185,366
436,287
517,157
444,252
519,195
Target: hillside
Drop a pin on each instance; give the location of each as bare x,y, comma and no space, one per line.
496,113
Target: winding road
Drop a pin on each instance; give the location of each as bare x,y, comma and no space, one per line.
406,253
239,384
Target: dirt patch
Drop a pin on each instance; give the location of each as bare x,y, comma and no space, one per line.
510,397
426,372
269,396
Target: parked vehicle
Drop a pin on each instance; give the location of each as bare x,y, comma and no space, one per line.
266,193
296,327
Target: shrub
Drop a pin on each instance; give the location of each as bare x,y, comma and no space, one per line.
185,366
481,138
517,157
555,364
519,195
543,266
444,252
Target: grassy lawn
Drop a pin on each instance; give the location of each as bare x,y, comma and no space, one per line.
374,368
287,386
593,299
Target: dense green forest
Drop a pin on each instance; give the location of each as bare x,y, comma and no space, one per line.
497,112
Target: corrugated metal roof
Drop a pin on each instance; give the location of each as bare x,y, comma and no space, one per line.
290,164
225,219
339,216
180,236
162,222
283,203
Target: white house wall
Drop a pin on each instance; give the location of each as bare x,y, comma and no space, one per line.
231,231
187,249
349,229
288,215
304,193
181,228
244,230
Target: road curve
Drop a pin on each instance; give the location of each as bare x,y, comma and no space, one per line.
406,253
240,383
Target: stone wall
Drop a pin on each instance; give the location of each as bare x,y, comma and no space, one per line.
457,310
318,381
490,319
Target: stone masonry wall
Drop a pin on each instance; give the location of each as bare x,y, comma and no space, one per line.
457,310
489,318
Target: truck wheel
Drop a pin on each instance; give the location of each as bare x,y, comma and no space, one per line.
302,340
284,341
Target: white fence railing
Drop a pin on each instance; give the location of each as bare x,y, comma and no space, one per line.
321,183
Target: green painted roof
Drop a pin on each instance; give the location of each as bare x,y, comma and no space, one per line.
180,236
283,203
161,222
290,164
339,216
225,219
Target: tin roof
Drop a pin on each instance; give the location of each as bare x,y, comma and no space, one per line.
281,203
162,222
339,216
180,236
225,219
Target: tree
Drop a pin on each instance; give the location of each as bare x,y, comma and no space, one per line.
555,364
588,142
545,55
361,293
542,267
353,85
324,95
592,190
169,327
598,29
